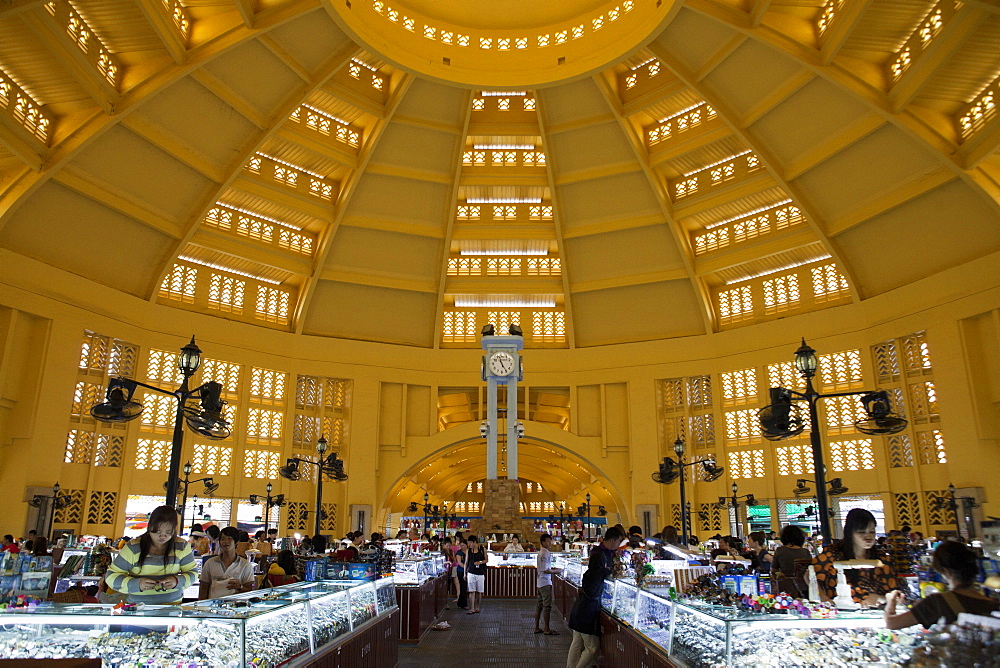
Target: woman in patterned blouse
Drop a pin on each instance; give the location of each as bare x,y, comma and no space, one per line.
868,585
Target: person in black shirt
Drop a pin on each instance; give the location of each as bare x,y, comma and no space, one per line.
585,617
475,573
957,564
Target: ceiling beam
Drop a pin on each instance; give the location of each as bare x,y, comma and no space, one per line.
69,54
246,11
925,65
10,8
900,194
166,30
347,190
769,163
16,139
837,33
217,87
184,152
282,54
980,145
757,12
637,144
103,193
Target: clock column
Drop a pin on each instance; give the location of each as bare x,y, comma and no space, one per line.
505,369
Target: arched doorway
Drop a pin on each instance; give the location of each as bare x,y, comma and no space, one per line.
557,473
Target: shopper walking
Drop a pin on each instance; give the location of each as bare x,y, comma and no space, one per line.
543,582
585,617
157,566
463,584
475,572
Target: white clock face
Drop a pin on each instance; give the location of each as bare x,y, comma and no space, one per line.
501,364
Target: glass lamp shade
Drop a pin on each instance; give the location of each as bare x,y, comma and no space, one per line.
588,498
805,360
269,488
679,447
56,488
190,358
321,445
736,489
187,468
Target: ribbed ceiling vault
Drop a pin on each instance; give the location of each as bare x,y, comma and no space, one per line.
294,166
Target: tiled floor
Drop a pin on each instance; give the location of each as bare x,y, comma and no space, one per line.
501,636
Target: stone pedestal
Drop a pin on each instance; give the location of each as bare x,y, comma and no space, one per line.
502,511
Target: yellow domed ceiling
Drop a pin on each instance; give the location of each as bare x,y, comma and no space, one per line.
649,170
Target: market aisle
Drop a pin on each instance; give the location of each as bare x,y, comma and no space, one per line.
500,636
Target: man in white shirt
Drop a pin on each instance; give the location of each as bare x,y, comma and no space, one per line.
228,573
543,607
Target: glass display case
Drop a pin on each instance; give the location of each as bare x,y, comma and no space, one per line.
257,629
608,596
415,570
570,568
511,559
385,595
708,635
440,564
653,615
625,601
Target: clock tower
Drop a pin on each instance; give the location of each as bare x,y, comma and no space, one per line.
501,366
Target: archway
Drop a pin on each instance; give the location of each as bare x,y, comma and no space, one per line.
548,458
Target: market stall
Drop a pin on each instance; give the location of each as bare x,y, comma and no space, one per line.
296,625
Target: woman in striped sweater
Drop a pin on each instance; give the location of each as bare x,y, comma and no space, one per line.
157,566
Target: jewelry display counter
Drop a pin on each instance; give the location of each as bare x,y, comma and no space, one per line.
511,575
421,593
295,625
647,628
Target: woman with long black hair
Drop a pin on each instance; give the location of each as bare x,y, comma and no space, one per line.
868,585
157,566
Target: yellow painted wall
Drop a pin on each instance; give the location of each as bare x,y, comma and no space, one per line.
394,444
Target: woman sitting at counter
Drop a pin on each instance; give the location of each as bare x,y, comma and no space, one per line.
958,565
157,566
868,585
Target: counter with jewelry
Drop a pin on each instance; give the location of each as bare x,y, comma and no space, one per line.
766,631
286,625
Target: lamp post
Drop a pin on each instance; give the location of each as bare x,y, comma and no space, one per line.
427,508
588,515
55,502
268,502
679,451
209,422
328,465
210,488
671,470
777,424
562,510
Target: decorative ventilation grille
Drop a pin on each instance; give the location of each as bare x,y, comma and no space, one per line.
852,455
795,460
101,509
261,464
907,507
296,518
710,517
329,520
675,514
930,445
72,512
939,510
900,450
746,464
212,459
152,455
